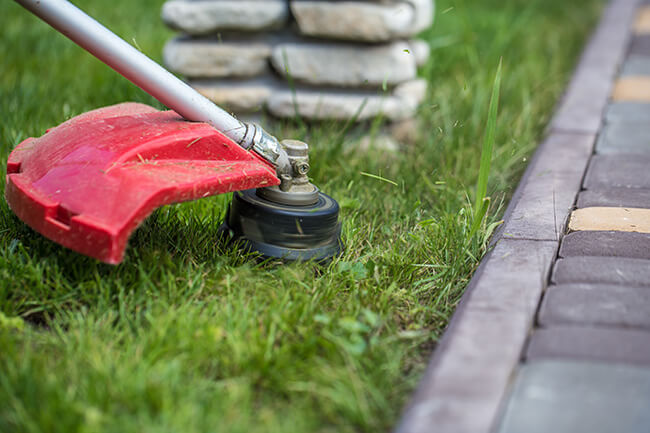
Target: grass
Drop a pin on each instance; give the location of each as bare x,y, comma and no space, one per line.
187,335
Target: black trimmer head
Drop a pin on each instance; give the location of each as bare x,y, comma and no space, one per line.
293,221
288,232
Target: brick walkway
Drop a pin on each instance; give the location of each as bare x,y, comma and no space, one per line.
586,367
553,334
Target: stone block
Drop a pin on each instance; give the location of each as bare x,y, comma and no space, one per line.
624,138
362,21
616,171
602,270
636,66
642,23
327,103
628,112
640,45
596,305
606,243
345,65
211,16
610,218
596,344
515,276
632,89
547,193
578,397
420,50
240,96
624,197
217,58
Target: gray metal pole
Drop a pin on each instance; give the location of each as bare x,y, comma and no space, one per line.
150,76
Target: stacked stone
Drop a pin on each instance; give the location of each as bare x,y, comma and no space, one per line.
316,58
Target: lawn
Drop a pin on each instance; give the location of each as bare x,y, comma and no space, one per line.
188,335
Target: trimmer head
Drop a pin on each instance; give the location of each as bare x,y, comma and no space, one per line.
288,232
291,221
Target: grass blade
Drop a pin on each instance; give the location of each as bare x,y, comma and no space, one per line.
488,144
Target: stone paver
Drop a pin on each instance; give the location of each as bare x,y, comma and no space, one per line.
636,66
628,112
642,23
596,305
610,345
640,45
614,171
606,243
577,397
611,218
630,88
624,138
604,270
626,197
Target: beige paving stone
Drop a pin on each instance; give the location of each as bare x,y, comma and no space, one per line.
610,218
642,23
632,89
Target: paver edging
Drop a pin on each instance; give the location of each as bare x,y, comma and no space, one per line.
473,365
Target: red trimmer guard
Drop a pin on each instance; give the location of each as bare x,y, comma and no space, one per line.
90,181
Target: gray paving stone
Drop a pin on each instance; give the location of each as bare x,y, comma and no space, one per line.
640,45
604,270
615,171
636,65
596,305
610,345
547,193
610,243
628,112
582,106
624,138
576,397
615,197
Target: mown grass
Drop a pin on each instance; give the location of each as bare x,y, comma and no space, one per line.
187,335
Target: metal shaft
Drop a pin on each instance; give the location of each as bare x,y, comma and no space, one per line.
139,69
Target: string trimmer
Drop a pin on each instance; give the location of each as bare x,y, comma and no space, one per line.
89,182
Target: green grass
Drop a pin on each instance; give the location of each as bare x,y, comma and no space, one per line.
187,335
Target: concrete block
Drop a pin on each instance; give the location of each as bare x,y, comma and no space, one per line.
578,397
